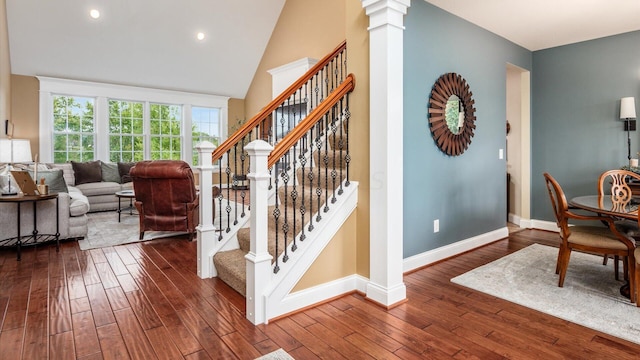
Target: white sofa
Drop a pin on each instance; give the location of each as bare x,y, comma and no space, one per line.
101,195
72,211
73,207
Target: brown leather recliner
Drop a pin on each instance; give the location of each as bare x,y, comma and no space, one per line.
166,196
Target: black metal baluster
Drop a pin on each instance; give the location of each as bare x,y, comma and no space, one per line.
228,206
347,157
294,198
310,176
341,124
334,173
325,161
319,152
285,222
276,216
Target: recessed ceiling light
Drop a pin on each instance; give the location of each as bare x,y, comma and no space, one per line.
200,36
94,13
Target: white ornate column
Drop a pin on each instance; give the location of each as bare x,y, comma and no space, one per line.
386,28
206,230
258,259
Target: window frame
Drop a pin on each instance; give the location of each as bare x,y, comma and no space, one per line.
102,92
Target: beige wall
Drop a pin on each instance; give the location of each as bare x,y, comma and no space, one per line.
305,28
236,114
348,252
5,68
25,110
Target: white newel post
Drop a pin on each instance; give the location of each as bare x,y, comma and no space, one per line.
206,230
386,118
258,259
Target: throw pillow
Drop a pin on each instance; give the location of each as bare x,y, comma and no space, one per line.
123,169
87,172
53,178
110,172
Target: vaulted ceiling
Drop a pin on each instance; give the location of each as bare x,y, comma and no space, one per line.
153,43
148,43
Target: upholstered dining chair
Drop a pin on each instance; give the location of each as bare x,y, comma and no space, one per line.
617,184
590,239
166,196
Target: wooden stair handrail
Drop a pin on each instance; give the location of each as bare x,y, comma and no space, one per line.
305,125
247,127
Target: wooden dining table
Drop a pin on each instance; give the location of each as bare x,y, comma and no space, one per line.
604,206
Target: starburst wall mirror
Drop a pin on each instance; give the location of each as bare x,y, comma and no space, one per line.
452,114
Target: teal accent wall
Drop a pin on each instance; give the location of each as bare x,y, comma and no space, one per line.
467,193
576,129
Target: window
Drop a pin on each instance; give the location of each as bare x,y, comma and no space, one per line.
73,127
205,126
165,131
126,136
83,121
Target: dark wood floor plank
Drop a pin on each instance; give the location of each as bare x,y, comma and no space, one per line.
240,346
309,340
143,310
62,305
100,307
61,346
11,343
161,343
89,272
112,343
135,340
209,340
36,338
108,278
85,336
59,310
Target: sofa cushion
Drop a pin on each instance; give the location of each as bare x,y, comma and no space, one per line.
110,172
67,172
53,178
87,172
124,169
99,188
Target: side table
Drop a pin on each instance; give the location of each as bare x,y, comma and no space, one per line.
33,239
127,194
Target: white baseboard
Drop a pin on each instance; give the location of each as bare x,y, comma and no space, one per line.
431,256
544,225
314,295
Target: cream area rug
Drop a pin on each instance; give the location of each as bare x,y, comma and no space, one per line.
279,354
105,230
590,296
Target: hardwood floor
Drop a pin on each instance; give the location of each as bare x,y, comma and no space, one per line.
144,301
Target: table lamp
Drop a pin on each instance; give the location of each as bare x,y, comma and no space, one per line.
14,151
628,114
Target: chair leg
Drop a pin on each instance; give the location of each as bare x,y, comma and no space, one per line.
632,280
564,264
560,253
605,260
625,267
616,266
141,235
636,279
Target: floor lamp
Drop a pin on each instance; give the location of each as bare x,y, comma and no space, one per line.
628,114
14,151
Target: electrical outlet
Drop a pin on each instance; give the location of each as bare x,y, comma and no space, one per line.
436,225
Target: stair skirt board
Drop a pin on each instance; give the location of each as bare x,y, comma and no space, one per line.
291,272
278,297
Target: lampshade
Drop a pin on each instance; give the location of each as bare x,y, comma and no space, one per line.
627,108
15,150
